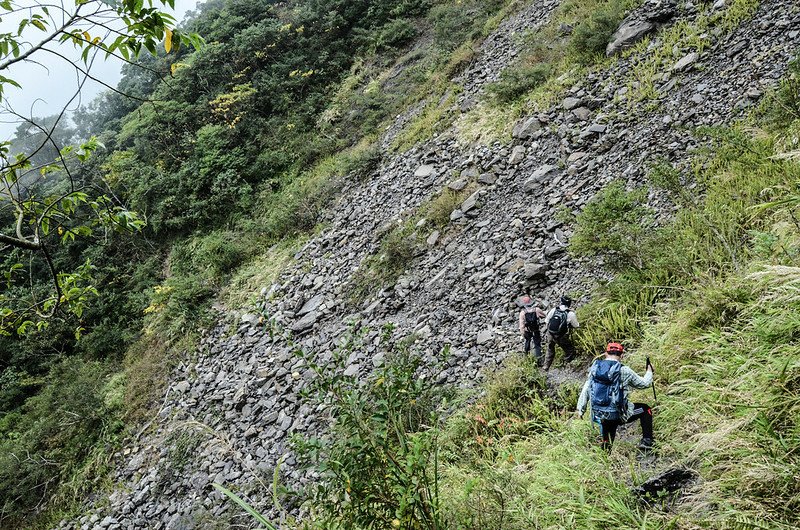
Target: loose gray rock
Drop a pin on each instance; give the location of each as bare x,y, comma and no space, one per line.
469,173
424,171
306,322
629,33
487,178
571,103
536,271
484,336
250,318
517,155
312,305
582,113
685,62
525,128
471,202
457,185
537,178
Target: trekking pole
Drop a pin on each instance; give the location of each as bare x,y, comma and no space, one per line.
649,364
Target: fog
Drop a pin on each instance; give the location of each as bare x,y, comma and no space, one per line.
49,83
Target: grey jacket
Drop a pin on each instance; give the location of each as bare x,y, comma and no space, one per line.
630,380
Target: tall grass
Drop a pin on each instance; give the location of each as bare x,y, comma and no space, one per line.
714,302
721,323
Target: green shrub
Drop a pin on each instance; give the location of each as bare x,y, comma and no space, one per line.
617,226
397,250
591,35
515,82
512,408
438,210
393,35
378,466
221,252
455,22
783,106
53,434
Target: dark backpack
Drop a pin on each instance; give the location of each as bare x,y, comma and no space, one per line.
559,322
531,320
606,390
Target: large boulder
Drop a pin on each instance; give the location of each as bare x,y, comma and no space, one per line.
641,23
526,127
629,33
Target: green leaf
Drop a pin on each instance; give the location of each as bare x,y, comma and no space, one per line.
8,80
22,329
249,509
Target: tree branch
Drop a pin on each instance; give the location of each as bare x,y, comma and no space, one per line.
20,243
33,49
54,274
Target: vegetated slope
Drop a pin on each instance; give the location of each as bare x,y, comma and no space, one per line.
214,150
438,242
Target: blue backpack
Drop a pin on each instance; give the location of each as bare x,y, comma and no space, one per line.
606,390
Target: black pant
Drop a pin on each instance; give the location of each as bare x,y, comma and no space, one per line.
641,412
565,343
536,335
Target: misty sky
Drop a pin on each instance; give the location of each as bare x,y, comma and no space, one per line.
48,86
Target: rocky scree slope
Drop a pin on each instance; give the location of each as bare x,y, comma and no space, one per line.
236,400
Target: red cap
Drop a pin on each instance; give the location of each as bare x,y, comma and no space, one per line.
615,348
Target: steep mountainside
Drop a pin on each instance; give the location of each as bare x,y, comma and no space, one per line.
437,243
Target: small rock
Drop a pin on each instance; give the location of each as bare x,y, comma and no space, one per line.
469,173
574,157
536,271
471,202
571,103
457,185
525,128
685,62
306,322
582,113
484,336
487,178
517,155
250,318
424,171
312,305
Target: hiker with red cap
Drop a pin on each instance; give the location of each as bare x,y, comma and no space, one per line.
607,389
529,318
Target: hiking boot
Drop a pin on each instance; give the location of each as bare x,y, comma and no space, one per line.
645,444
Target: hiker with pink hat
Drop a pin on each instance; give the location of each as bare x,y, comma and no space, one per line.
529,317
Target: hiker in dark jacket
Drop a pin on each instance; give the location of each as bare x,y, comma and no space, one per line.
529,318
625,411
559,322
